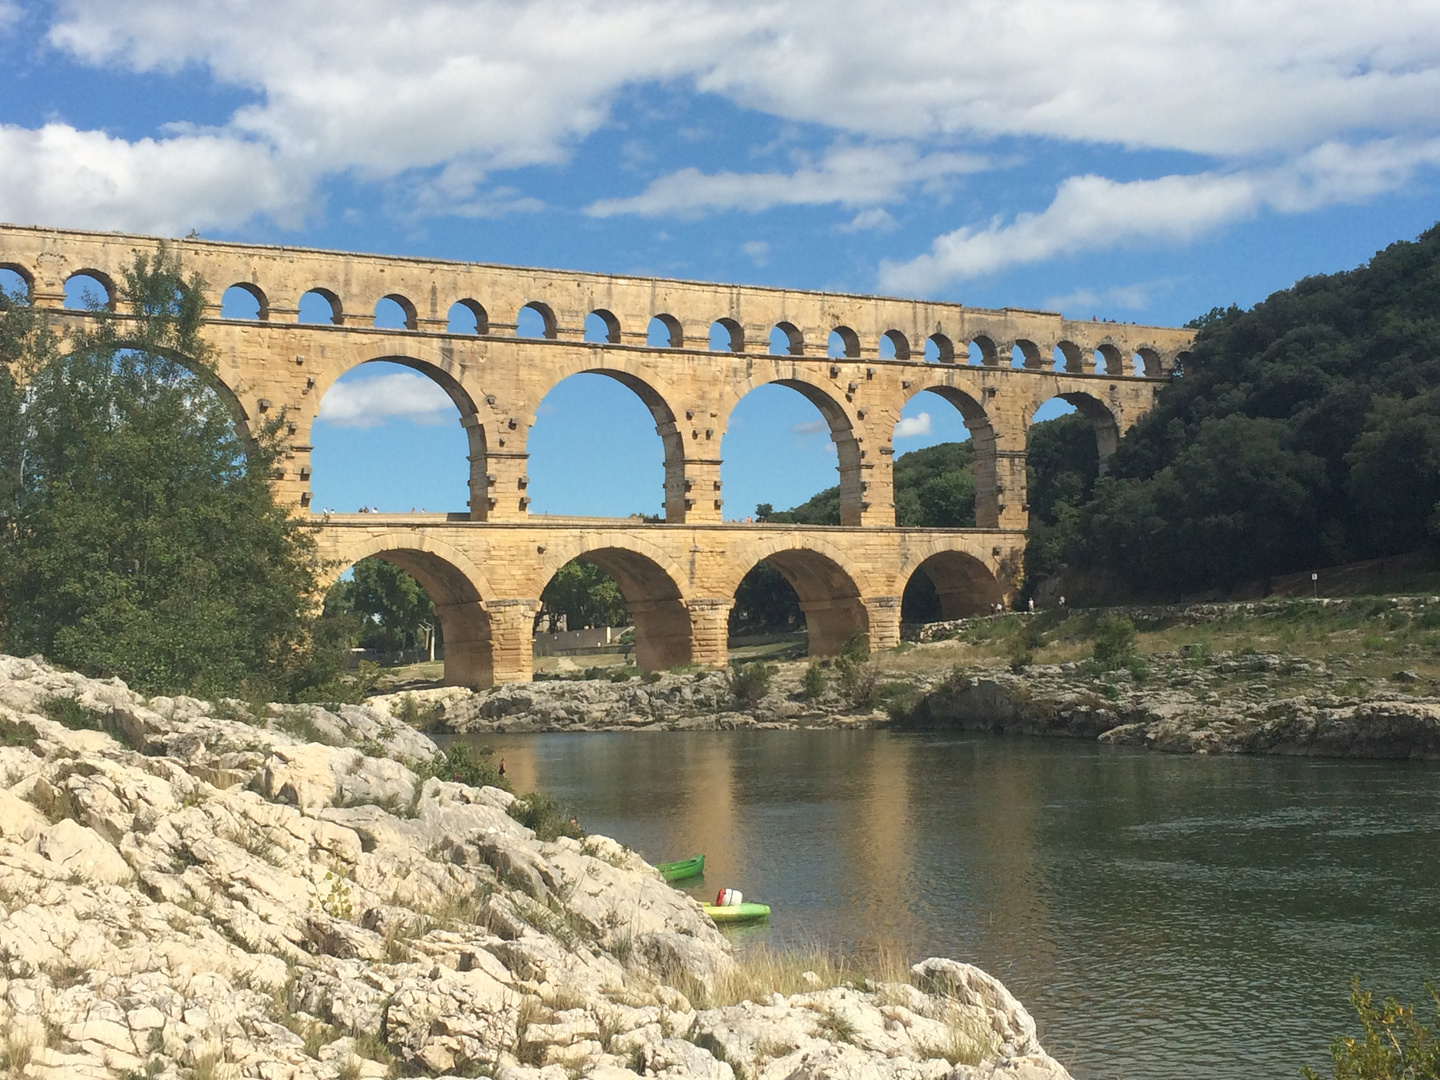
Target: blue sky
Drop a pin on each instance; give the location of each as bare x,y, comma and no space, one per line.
1132,159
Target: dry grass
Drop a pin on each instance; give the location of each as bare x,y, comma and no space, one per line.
761,972
967,1041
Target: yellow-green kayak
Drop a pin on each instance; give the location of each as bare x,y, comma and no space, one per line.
737,912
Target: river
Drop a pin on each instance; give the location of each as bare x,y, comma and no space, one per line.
1162,917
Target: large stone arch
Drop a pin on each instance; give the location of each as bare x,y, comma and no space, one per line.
963,580
446,374
829,591
827,398
1108,425
656,592
654,392
455,585
968,400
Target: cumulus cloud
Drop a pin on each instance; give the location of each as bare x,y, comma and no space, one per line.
1275,99
911,427
1093,212
366,403
848,176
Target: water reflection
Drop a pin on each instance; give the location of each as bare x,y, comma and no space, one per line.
1163,917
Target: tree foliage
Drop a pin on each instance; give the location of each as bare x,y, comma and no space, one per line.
1304,432
391,609
934,488
1393,1044
585,594
141,534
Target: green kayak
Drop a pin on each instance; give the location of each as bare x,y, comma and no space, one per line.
737,912
685,868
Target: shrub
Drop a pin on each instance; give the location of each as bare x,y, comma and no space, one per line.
462,763
814,684
427,718
540,812
749,683
1393,1045
856,649
1114,642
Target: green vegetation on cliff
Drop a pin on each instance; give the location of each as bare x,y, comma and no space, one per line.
1302,433
141,537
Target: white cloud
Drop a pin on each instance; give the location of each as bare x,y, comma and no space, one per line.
58,175
364,403
911,427
876,219
811,427
9,14
847,175
1092,212
758,250
1126,297
1277,97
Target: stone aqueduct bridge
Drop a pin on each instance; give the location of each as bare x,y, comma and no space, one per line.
486,568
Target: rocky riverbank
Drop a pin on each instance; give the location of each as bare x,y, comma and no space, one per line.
1250,704
191,891
1183,701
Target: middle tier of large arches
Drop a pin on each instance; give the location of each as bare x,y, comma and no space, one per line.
498,385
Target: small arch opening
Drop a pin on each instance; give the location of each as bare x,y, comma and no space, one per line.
394,312
1148,363
1108,360
982,351
939,349
319,306
843,343
88,290
664,333
726,335
467,317
535,320
1069,357
786,340
14,282
244,301
894,346
602,328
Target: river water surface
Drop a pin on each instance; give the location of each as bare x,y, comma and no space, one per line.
1162,917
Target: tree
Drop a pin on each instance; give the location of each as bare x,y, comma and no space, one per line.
585,595
142,535
394,609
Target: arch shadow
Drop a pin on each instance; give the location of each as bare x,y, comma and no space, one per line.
964,584
829,595
653,600
455,587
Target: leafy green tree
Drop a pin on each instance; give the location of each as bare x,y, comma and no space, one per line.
142,536
1303,432
394,610
934,488
585,594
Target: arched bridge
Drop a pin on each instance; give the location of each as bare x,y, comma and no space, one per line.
690,351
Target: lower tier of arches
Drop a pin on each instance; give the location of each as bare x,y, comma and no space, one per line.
679,582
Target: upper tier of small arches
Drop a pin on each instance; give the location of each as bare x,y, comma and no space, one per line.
537,320
429,297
